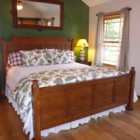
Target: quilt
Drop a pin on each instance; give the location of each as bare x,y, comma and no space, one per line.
22,94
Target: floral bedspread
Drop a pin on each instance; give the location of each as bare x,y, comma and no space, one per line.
22,94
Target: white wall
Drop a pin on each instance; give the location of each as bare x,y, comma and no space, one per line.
134,51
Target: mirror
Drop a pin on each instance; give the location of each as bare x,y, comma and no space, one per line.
38,14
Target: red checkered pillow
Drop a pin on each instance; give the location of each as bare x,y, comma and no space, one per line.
14,59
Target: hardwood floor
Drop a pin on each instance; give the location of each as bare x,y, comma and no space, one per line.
121,126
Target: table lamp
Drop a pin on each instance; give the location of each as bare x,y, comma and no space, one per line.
82,43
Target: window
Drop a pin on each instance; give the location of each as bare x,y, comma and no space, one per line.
112,38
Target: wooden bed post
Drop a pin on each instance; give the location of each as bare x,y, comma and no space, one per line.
129,106
36,108
72,45
4,58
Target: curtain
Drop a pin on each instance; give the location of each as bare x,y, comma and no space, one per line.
124,48
99,41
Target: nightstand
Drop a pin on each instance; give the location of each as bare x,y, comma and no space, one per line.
84,62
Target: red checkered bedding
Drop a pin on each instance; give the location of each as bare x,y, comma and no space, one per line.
14,59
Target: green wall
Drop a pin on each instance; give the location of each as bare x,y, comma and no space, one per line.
76,22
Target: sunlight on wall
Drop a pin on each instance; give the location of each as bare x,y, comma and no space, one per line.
91,54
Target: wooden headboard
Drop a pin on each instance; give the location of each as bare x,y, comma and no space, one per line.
18,43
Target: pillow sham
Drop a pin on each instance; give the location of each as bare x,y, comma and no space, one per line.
14,59
67,57
46,57
60,56
34,58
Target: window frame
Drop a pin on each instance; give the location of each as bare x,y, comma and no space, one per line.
108,17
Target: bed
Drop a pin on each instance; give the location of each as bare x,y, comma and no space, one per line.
60,104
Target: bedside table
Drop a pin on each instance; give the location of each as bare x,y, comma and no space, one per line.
84,62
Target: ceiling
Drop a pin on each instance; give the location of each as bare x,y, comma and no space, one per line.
96,2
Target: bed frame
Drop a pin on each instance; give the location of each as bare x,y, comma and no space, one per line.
61,104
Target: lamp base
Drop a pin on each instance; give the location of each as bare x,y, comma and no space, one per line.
82,55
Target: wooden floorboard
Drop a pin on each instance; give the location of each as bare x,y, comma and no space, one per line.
119,126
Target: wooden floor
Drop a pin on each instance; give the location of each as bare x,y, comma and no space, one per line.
121,126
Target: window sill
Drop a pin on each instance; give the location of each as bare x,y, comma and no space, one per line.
110,66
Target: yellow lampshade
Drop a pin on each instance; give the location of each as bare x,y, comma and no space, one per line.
82,43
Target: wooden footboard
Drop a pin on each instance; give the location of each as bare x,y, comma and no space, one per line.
57,105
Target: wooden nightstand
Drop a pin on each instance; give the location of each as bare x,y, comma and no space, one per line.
85,62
